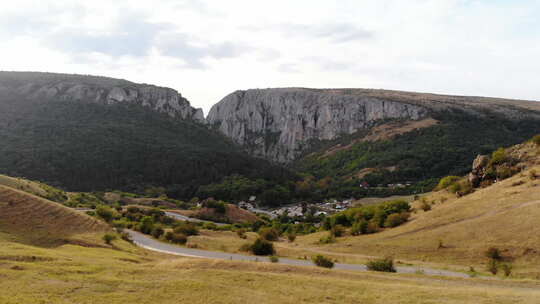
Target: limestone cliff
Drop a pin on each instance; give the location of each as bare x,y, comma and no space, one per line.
50,86
278,124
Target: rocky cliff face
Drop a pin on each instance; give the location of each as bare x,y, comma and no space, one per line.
278,124
48,86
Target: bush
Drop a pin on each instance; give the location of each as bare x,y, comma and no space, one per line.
269,234
425,205
177,238
395,219
274,259
533,175
108,238
337,231
498,157
210,226
494,253
146,225
327,239
323,261
291,237
536,140
105,212
359,227
493,267
445,182
218,206
507,269
126,237
241,233
157,232
245,247
262,247
186,229
384,265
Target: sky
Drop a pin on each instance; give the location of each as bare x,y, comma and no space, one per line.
208,49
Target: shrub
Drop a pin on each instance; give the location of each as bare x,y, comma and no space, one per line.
245,247
384,265
274,259
177,238
494,253
187,229
425,206
445,182
241,233
327,239
359,227
146,225
322,261
210,226
372,227
105,212
395,219
269,234
291,237
108,238
493,267
337,231
126,237
507,269
536,140
533,175
498,157
157,232
262,247
218,206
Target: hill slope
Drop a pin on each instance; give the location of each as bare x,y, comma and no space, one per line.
459,230
92,133
37,221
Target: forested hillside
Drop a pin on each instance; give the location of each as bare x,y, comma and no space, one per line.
89,146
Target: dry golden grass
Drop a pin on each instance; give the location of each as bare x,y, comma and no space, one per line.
72,274
504,215
35,220
22,184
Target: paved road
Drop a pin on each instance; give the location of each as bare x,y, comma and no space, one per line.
155,245
180,217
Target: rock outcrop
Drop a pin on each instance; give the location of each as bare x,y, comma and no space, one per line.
49,86
280,124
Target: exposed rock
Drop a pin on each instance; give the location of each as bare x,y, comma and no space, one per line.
279,124
48,86
479,162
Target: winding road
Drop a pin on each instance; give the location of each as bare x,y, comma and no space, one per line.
149,243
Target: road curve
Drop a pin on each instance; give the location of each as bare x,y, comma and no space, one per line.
149,243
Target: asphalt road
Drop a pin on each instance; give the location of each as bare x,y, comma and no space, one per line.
180,217
149,243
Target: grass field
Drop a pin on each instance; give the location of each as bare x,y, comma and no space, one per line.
127,274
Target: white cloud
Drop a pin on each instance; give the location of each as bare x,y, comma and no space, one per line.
207,49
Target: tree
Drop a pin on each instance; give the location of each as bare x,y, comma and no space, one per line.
105,212
108,238
146,225
262,247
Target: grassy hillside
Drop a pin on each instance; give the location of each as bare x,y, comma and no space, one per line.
85,146
30,219
74,274
459,230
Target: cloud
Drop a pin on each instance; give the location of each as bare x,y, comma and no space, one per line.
192,51
130,36
333,32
